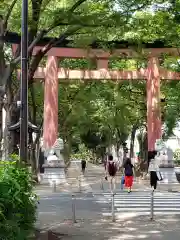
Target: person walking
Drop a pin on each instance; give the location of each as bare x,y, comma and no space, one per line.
105,161
83,166
153,169
111,170
128,173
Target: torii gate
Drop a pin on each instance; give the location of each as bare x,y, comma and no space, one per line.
153,74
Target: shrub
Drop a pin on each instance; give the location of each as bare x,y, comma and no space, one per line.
17,202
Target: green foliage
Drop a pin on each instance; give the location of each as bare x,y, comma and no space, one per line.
100,114
83,153
17,202
171,107
78,63
177,157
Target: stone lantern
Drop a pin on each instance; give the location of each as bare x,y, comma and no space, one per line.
16,128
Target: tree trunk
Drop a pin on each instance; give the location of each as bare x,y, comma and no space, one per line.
6,136
67,149
117,150
145,147
133,134
33,162
2,70
35,154
11,138
1,129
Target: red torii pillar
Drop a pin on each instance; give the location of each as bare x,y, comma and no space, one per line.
153,103
50,126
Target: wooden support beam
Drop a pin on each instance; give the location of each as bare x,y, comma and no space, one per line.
103,74
102,54
169,75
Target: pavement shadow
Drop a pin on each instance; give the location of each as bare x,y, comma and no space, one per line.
133,228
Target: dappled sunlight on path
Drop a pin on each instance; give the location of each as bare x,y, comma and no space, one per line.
134,228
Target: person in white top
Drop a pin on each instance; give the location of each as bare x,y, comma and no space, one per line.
153,169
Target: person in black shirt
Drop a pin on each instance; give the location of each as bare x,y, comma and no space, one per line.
128,173
83,166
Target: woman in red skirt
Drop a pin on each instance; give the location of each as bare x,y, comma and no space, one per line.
128,173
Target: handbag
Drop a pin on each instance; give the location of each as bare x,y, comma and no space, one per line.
159,176
122,180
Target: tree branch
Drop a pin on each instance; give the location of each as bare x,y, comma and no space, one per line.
34,107
45,49
46,31
30,48
71,10
70,110
85,25
41,54
9,13
76,5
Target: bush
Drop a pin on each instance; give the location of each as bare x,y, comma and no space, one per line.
17,202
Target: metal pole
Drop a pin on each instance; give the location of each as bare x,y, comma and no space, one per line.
80,184
113,213
73,209
24,84
102,186
152,205
54,186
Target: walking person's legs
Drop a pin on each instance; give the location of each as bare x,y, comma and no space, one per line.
110,183
114,183
128,182
153,180
155,185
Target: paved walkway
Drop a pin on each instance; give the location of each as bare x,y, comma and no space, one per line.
55,213
133,228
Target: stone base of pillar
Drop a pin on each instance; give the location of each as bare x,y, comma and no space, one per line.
169,177
54,173
177,172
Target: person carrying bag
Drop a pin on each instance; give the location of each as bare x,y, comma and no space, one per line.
155,174
111,170
129,174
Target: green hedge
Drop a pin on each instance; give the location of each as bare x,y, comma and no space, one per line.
17,202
